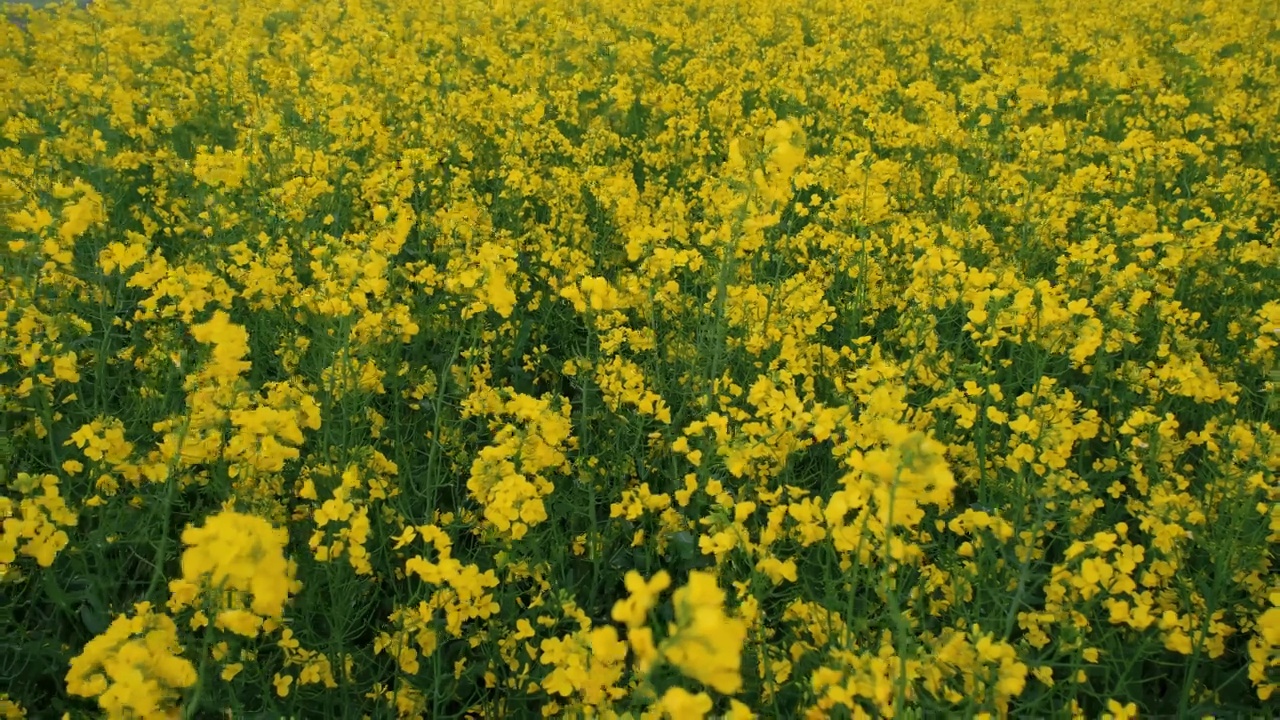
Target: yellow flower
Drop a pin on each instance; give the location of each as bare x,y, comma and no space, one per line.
238,553
65,368
634,610
589,663
134,668
240,622
777,570
33,526
10,710
1120,711
230,344
282,684
680,704
706,644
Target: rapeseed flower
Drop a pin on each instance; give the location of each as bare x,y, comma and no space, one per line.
236,562
941,336
135,668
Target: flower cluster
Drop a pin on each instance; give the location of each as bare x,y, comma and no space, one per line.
134,669
36,525
234,565
702,643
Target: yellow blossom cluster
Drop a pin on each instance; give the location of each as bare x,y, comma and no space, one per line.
135,669
529,437
234,565
36,525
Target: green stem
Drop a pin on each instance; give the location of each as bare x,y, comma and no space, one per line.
193,706
171,485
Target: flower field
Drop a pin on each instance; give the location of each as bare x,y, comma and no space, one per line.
668,358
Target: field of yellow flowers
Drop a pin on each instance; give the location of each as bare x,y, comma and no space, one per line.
667,358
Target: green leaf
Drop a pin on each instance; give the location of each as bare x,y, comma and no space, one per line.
94,620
